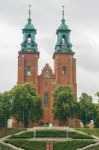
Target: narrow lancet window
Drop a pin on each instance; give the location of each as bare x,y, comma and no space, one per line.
64,70
28,71
46,98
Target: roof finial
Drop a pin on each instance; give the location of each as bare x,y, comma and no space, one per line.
63,12
63,19
29,11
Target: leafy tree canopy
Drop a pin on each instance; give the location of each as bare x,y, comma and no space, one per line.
5,108
26,103
64,104
86,108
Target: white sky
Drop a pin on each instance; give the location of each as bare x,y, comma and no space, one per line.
82,16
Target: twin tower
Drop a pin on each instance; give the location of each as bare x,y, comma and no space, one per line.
64,65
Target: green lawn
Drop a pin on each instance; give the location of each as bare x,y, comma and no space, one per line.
28,145
52,134
94,148
94,131
71,145
35,145
3,147
9,131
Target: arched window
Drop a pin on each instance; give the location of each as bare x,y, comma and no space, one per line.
46,98
63,39
29,38
28,71
64,70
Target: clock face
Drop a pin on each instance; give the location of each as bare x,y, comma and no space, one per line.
47,74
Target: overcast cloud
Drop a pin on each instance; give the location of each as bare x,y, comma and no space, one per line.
82,16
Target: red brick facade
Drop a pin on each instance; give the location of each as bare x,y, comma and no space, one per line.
64,71
47,81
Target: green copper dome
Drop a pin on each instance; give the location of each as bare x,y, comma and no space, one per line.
63,26
29,25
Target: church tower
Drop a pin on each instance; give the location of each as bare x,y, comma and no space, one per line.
28,55
64,61
47,81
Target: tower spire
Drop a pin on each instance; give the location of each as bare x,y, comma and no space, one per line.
63,19
29,19
63,12
29,11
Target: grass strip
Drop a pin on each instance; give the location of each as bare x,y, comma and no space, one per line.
52,134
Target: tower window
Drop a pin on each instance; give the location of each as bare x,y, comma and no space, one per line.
64,70
63,39
46,99
28,71
29,38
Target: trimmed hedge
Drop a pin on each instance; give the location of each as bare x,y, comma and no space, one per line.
71,145
28,145
52,134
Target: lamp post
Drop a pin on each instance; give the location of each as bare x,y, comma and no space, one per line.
74,118
23,117
29,118
86,115
34,132
67,133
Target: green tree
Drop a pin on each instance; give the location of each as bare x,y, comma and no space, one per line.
96,116
5,108
97,94
86,107
26,104
64,104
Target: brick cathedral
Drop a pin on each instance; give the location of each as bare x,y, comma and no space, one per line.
64,65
